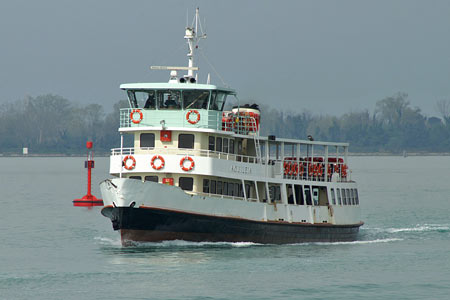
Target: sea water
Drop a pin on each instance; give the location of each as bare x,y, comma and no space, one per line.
52,250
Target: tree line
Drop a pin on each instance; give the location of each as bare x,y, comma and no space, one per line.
51,124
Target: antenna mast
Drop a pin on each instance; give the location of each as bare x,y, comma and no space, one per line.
193,39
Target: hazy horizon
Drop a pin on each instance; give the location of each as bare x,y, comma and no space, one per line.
327,57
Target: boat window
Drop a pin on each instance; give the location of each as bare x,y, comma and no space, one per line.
240,190
147,140
135,177
195,99
206,186
211,143
217,100
308,199
236,189
151,178
299,194
344,197
225,188
186,183
212,188
316,195
352,196
232,146
338,192
230,189
225,145
290,194
219,144
357,197
275,193
169,99
142,99
333,196
186,141
219,187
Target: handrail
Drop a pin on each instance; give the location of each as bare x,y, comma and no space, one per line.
185,152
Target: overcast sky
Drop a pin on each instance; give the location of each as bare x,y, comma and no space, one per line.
323,56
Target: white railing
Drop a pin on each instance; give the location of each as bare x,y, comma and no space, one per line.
185,152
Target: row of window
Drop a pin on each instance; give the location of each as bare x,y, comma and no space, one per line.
221,144
345,196
185,183
185,141
224,188
176,99
218,187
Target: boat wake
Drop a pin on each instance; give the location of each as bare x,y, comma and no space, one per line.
174,244
421,228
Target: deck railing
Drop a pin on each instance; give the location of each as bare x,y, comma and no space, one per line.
186,152
210,119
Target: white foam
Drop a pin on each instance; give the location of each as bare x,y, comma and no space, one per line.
108,241
180,243
361,242
419,228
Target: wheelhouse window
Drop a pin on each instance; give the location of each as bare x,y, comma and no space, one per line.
217,100
195,99
211,143
142,99
151,178
169,99
147,140
135,177
186,141
186,183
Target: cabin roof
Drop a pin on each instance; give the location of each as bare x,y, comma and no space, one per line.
179,86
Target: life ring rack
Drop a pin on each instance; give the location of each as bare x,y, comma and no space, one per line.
188,116
141,116
152,162
187,169
125,160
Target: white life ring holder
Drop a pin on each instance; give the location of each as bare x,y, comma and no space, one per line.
141,116
193,111
131,167
152,162
182,163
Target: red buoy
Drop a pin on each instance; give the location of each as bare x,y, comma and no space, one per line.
88,199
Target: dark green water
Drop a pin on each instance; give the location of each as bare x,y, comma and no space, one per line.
51,250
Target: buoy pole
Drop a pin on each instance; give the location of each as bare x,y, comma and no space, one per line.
88,199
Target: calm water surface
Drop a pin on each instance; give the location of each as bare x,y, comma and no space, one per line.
52,250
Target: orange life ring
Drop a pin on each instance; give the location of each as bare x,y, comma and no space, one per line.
152,162
189,114
125,162
301,169
182,163
141,116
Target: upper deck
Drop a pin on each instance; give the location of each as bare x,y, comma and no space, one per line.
182,105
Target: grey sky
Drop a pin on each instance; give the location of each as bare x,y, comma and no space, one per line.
324,56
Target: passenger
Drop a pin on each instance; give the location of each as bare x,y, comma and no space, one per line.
150,103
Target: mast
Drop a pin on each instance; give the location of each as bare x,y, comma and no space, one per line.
193,39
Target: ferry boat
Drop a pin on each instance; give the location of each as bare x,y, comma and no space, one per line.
199,173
